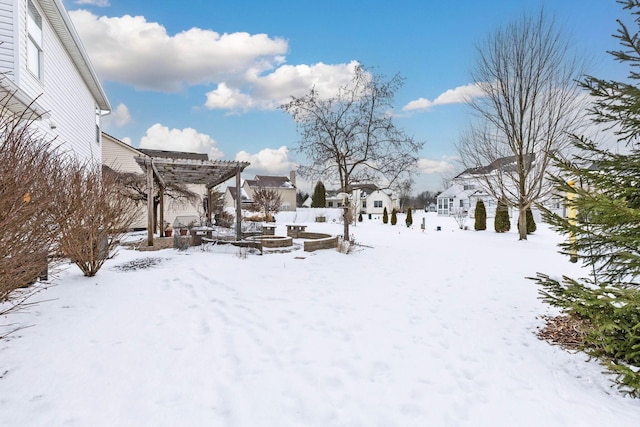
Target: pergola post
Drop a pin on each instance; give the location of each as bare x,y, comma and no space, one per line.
238,206
209,205
161,207
149,202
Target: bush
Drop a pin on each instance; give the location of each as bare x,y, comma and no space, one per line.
409,219
225,219
531,223
502,223
30,171
360,217
480,216
611,314
385,216
394,217
92,213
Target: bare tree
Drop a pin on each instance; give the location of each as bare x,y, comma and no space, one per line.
531,105
268,201
351,135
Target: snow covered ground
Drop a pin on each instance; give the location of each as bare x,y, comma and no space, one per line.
433,328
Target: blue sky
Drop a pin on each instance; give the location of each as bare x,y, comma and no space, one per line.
207,75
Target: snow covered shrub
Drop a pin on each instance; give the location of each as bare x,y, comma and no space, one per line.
501,221
394,216
480,216
409,219
385,216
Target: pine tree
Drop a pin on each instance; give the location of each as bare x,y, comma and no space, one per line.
319,198
385,216
409,219
394,216
480,216
531,223
602,186
502,222
360,217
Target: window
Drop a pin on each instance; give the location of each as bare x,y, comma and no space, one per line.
364,203
377,203
461,203
34,43
330,204
469,187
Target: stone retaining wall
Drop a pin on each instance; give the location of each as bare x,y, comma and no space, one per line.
321,243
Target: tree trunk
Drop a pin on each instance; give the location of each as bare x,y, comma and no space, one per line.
522,223
345,220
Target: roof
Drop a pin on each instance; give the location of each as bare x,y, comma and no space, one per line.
506,164
270,181
62,25
244,196
17,101
164,154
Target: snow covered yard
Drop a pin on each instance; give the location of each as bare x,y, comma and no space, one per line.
433,328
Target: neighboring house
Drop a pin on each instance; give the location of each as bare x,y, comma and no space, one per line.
42,59
368,199
230,198
286,187
373,203
466,189
121,157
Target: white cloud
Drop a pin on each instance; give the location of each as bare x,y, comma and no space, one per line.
459,95
428,166
270,161
130,50
126,140
160,137
119,117
271,90
99,3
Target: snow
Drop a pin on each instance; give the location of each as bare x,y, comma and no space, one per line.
415,328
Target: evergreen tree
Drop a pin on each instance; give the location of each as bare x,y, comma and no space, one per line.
360,217
409,219
602,186
319,198
385,216
480,216
502,223
394,216
531,223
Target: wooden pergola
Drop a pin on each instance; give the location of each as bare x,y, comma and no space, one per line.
164,168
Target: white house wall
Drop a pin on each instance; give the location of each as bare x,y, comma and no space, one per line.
62,91
7,35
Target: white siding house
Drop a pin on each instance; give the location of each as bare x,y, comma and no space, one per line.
42,59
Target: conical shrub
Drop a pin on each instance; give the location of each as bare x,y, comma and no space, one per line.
531,223
480,216
385,216
409,219
394,217
502,223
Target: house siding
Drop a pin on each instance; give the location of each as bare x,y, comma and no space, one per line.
118,156
61,91
7,35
